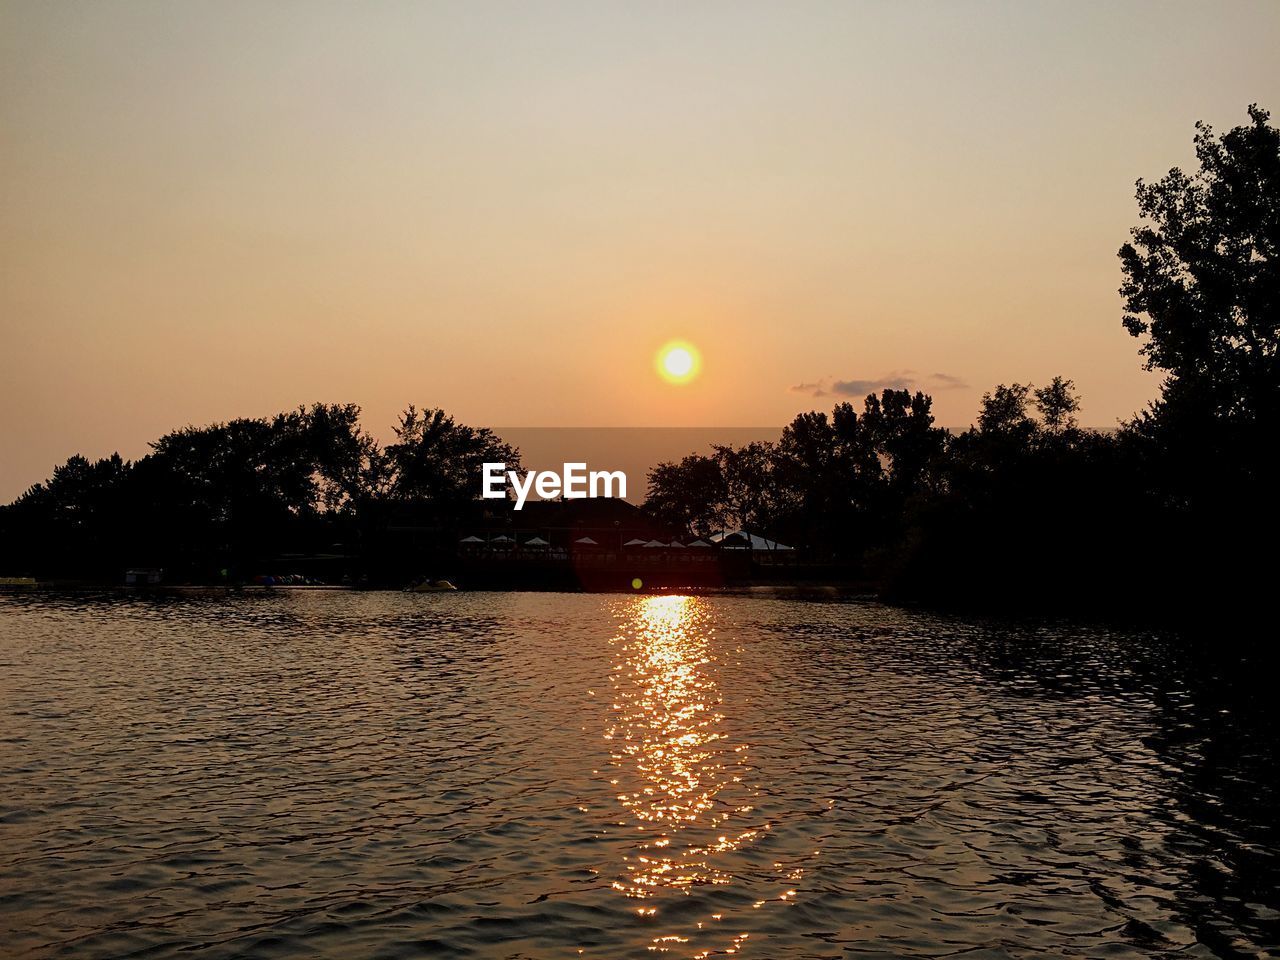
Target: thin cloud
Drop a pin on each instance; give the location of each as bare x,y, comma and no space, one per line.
817,389
860,388
894,380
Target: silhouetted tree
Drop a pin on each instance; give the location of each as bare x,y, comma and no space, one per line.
1003,412
1023,514
227,496
73,522
347,460
439,460
1058,405
240,491
749,485
1202,292
901,430
688,496
833,485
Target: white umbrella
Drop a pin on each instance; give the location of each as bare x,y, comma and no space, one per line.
536,542
655,543
587,541
471,540
677,543
634,543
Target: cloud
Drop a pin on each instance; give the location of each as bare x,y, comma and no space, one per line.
860,388
817,389
894,380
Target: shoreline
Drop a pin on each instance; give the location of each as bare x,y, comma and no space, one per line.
859,591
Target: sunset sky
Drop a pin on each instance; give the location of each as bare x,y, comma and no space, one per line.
210,210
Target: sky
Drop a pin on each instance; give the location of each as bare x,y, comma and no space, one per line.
222,209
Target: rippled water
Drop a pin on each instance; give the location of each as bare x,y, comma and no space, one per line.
546,776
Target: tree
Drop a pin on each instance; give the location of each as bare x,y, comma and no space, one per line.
1058,405
345,458
238,493
438,459
688,495
814,505
71,523
1202,292
750,492
1004,413
305,461
902,434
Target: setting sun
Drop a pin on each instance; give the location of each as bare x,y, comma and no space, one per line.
678,362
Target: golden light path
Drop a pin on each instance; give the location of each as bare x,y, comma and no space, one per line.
678,362
679,775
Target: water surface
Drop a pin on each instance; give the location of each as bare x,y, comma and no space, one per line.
547,776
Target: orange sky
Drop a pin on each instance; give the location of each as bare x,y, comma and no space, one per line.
226,209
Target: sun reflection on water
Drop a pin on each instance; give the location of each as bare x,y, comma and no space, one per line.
679,774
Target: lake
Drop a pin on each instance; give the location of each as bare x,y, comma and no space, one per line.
505,775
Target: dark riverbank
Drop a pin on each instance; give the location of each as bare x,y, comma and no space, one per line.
851,591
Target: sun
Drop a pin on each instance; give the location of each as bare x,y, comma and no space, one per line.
678,362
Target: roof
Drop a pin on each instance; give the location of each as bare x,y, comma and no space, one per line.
739,540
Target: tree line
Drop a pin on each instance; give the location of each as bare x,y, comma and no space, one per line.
221,502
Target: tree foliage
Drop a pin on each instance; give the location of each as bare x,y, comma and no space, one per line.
1202,294
1058,405
436,458
829,484
232,496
